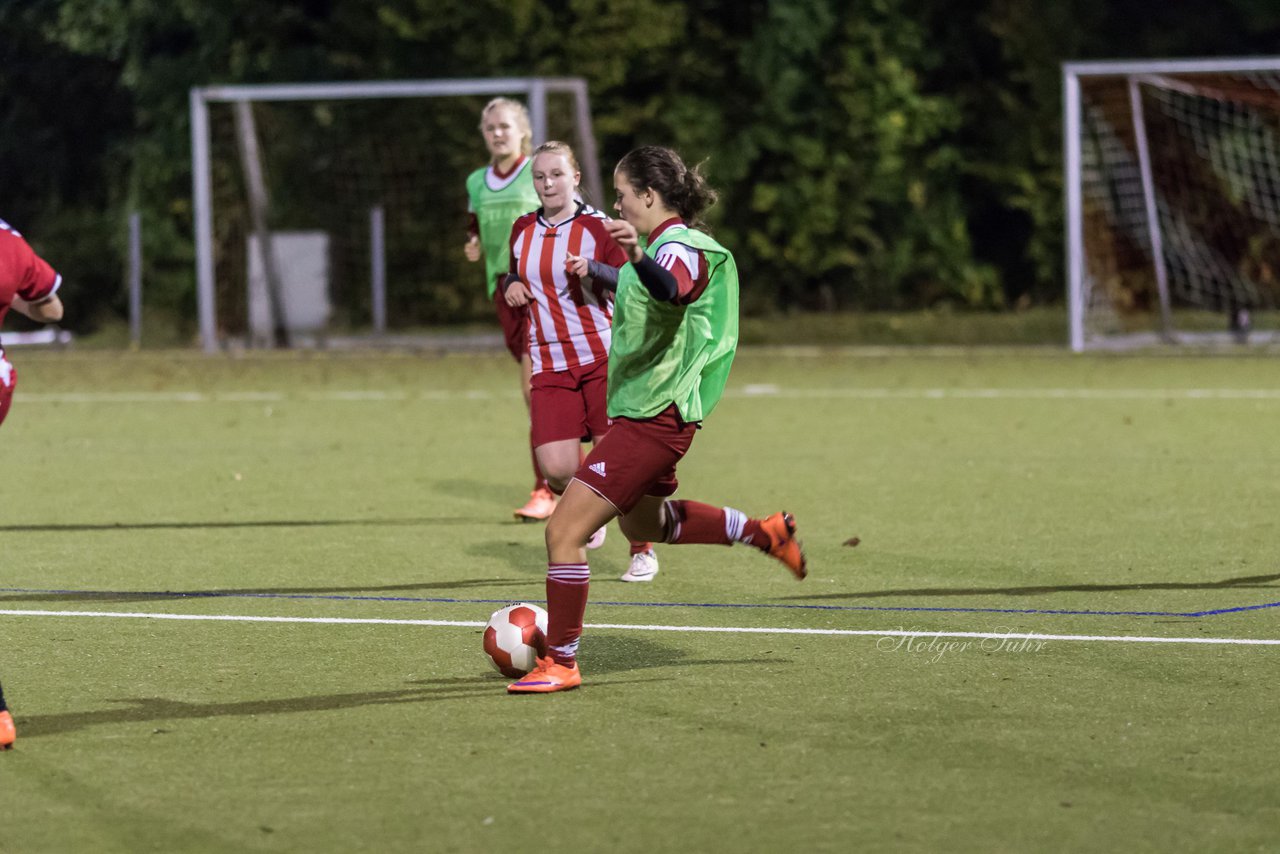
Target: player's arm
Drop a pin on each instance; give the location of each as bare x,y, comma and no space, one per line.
472,247
608,259
668,277
657,280
660,284
37,296
514,290
603,274
47,310
682,261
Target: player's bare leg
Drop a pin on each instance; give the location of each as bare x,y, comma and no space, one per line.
647,520
568,531
558,461
542,502
579,514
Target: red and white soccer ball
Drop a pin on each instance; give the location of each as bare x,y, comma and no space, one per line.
515,637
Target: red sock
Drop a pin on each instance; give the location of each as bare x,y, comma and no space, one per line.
694,522
752,535
566,604
640,548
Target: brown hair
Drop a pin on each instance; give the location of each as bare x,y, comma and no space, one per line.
685,190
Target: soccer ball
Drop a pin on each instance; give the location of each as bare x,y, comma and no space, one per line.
514,637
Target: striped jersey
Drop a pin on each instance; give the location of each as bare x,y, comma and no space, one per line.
684,262
569,317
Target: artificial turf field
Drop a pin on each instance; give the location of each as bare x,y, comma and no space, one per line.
1106,502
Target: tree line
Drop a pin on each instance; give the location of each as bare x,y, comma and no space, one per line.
870,154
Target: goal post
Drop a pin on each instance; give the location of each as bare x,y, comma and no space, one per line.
1172,195
403,181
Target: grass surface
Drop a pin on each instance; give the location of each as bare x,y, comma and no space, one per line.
1020,492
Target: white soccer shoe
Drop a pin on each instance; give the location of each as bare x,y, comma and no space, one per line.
597,539
644,567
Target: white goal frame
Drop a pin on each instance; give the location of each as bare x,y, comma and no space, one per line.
533,89
1135,71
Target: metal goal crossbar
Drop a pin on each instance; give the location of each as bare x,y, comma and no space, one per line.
533,90
1172,185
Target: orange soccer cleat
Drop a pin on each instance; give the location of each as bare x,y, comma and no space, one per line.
548,676
783,545
7,733
541,504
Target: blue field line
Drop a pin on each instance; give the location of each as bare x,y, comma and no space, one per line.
216,594
1218,611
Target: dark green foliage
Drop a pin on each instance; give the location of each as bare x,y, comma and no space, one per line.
869,154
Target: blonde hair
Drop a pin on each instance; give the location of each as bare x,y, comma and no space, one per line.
554,146
522,120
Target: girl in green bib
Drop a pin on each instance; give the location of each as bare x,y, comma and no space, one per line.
675,331
498,195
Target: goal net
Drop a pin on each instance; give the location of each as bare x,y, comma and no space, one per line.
1173,202
332,210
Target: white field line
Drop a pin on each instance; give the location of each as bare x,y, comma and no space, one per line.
902,633
765,390
748,391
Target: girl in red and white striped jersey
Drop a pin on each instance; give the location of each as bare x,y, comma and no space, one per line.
570,319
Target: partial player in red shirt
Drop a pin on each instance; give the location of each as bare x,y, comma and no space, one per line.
570,321
28,285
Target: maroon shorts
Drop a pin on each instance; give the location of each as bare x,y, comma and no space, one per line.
8,379
569,404
515,325
637,458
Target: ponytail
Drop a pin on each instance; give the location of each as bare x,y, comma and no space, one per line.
685,190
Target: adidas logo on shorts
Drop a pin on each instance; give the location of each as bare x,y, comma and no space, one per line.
598,468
